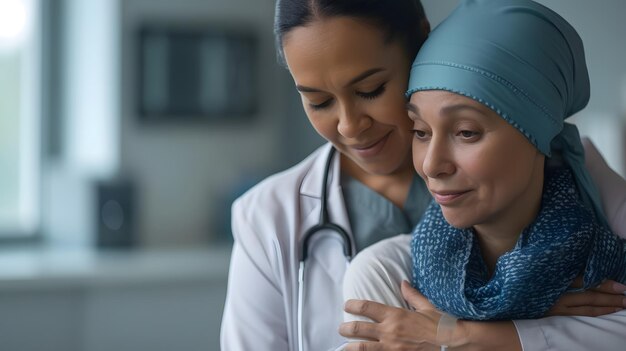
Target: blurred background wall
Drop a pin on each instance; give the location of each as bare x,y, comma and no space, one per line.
186,170
127,240
181,168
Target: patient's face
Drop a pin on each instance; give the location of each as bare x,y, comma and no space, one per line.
479,168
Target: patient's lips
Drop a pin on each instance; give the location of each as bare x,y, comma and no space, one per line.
449,197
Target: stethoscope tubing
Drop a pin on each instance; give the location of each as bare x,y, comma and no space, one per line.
323,224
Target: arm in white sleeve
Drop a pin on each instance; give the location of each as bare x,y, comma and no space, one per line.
607,333
254,315
611,185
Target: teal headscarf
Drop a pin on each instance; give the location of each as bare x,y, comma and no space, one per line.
523,61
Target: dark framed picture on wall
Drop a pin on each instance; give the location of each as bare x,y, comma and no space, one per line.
191,73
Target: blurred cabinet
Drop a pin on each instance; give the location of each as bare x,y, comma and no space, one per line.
41,321
182,317
151,317
112,301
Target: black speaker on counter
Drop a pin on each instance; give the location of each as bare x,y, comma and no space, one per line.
116,214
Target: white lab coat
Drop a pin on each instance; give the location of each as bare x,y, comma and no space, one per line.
268,224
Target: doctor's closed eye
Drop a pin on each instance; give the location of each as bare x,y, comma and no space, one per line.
321,106
368,95
372,94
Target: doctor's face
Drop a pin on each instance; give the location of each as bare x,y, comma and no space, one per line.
352,82
479,168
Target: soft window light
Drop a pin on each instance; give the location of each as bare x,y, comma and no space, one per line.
19,118
13,20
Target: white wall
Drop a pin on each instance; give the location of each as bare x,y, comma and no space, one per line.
602,28
183,171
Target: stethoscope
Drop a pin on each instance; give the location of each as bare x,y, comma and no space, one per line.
324,224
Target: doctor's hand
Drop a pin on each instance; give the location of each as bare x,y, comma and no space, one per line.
393,328
401,329
606,298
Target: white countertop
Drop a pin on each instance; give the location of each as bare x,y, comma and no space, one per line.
58,268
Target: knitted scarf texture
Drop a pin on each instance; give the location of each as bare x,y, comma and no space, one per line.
563,242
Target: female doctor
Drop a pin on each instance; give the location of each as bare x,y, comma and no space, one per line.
350,62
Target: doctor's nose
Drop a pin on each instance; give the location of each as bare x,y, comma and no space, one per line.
352,122
438,161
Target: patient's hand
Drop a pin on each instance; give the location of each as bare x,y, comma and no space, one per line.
606,298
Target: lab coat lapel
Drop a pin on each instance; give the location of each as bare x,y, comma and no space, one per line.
326,264
312,181
338,213
312,186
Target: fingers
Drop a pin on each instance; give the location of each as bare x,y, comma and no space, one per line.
594,298
374,346
414,298
364,346
607,286
604,299
359,330
373,310
611,287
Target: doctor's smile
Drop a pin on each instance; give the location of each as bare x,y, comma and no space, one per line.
371,149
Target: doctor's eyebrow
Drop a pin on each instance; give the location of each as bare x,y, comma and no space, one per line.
365,74
303,89
360,77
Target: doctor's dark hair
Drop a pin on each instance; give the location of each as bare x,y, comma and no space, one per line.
400,19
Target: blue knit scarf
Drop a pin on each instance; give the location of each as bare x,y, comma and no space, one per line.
563,242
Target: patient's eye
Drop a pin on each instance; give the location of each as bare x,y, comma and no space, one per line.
419,134
469,135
